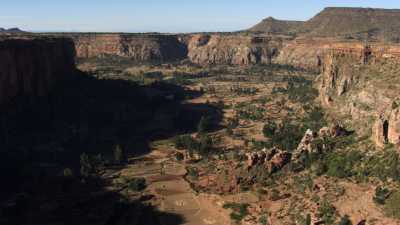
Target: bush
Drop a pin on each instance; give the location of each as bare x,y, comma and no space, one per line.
137,184
381,194
263,220
118,154
345,220
179,156
327,212
239,210
392,206
269,129
341,164
204,124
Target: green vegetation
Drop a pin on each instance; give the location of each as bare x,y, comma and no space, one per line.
204,125
285,136
327,212
345,220
137,184
239,210
298,90
118,154
392,205
381,194
263,220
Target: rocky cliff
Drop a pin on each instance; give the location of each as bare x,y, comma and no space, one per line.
32,66
361,84
206,49
138,47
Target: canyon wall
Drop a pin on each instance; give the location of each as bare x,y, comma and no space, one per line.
232,49
361,83
32,66
137,47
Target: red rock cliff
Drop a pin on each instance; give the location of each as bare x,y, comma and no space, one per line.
137,47
361,83
32,66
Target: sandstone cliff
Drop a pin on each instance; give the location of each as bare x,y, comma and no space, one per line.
137,47
32,66
232,49
361,84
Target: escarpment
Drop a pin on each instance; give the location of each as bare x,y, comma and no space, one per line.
137,47
361,82
31,67
232,49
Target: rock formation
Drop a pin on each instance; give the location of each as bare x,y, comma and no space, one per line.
137,47
206,49
361,81
31,67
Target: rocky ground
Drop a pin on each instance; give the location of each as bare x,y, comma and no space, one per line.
229,185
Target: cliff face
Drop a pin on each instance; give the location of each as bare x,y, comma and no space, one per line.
232,49
134,46
31,67
361,83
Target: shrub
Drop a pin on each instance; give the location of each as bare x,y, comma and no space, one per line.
239,210
392,205
345,220
269,129
204,124
341,164
137,184
118,154
263,220
179,156
327,212
68,173
381,194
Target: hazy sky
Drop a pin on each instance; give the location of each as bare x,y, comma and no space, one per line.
161,15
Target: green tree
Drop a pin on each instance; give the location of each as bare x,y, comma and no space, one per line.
345,220
204,124
67,173
86,166
118,154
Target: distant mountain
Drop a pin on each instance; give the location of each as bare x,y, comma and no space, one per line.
11,30
335,21
272,25
382,24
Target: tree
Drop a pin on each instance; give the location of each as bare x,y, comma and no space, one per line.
345,221
118,154
86,166
204,124
67,173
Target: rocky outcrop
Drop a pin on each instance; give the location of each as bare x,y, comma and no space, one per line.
360,82
137,47
31,67
272,160
206,49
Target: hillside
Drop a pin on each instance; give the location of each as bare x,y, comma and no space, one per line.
272,25
11,30
355,22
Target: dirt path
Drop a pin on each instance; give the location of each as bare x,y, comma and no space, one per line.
166,181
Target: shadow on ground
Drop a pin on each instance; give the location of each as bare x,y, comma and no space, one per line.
40,138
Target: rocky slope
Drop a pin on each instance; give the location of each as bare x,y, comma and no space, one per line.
232,49
355,22
274,26
134,46
32,66
360,84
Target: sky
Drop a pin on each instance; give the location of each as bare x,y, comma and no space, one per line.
170,16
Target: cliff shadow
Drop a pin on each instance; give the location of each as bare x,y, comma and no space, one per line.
67,200
44,136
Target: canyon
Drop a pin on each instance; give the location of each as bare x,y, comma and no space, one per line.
213,122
